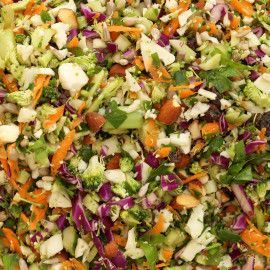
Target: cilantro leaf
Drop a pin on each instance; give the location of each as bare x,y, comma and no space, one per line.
214,146
10,261
161,170
180,77
228,235
115,116
240,152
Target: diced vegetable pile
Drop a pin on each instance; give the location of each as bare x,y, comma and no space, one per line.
134,134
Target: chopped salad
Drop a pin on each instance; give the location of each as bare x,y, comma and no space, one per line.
134,134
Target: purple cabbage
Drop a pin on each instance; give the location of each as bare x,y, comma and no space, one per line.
243,199
125,203
151,160
258,31
259,53
62,222
69,108
104,214
73,149
169,182
72,33
91,16
251,147
112,47
220,160
130,54
223,125
104,150
250,60
36,237
105,192
79,216
254,75
90,33
119,260
240,223
163,40
68,177
218,12
246,135
236,252
101,55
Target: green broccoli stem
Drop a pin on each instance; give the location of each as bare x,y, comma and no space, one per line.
134,120
98,78
108,92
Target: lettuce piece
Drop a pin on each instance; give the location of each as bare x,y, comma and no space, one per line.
254,94
22,98
41,37
7,44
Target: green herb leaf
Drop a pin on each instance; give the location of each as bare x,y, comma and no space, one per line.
228,235
161,170
10,261
240,152
245,175
180,77
156,60
150,253
45,16
115,116
214,145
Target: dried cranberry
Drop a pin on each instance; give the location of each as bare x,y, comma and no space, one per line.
213,114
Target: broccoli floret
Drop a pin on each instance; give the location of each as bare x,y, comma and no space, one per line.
86,153
261,190
255,95
119,190
42,150
251,192
108,92
126,164
138,213
22,98
195,168
45,110
87,62
50,92
15,210
93,176
74,163
131,185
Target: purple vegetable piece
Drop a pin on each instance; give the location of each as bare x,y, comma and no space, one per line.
101,55
258,31
151,160
112,47
246,135
223,125
125,203
218,12
130,54
220,160
169,182
251,147
62,222
250,60
163,40
259,53
243,199
72,33
90,33
105,192
240,223
79,216
67,176
254,75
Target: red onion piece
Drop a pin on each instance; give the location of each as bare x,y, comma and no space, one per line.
169,182
259,53
105,192
251,147
62,222
254,75
246,135
130,54
101,55
240,223
250,60
220,160
223,125
151,160
104,150
258,31
90,33
163,40
218,12
112,47
243,199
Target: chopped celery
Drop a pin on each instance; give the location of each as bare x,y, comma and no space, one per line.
134,120
108,92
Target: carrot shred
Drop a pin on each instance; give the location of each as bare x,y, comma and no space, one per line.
9,82
73,264
61,152
6,2
111,249
151,133
159,74
74,43
13,240
163,152
82,107
193,177
121,28
210,128
120,240
256,240
139,63
40,82
243,7
159,226
185,93
185,86
75,123
3,160
262,133
167,254
53,118
235,22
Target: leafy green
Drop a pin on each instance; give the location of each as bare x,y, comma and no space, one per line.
156,60
151,254
180,77
228,235
161,170
15,210
214,145
240,152
50,92
86,153
45,16
115,116
10,261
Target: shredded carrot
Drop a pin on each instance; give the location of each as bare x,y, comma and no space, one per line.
262,69
163,152
61,152
75,123
38,9
167,254
24,218
82,107
53,118
262,133
197,22
40,82
6,2
210,27
235,22
73,264
185,86
13,240
159,226
29,7
185,93
159,74
161,265
200,4
151,132
38,214
13,166
121,28
74,43
193,177
3,160
256,240
134,267
9,82
243,7
139,63
111,249
120,240
171,27
210,128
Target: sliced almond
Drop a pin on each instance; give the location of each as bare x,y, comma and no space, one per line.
67,16
187,201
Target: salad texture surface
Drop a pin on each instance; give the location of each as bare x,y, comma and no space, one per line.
134,134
